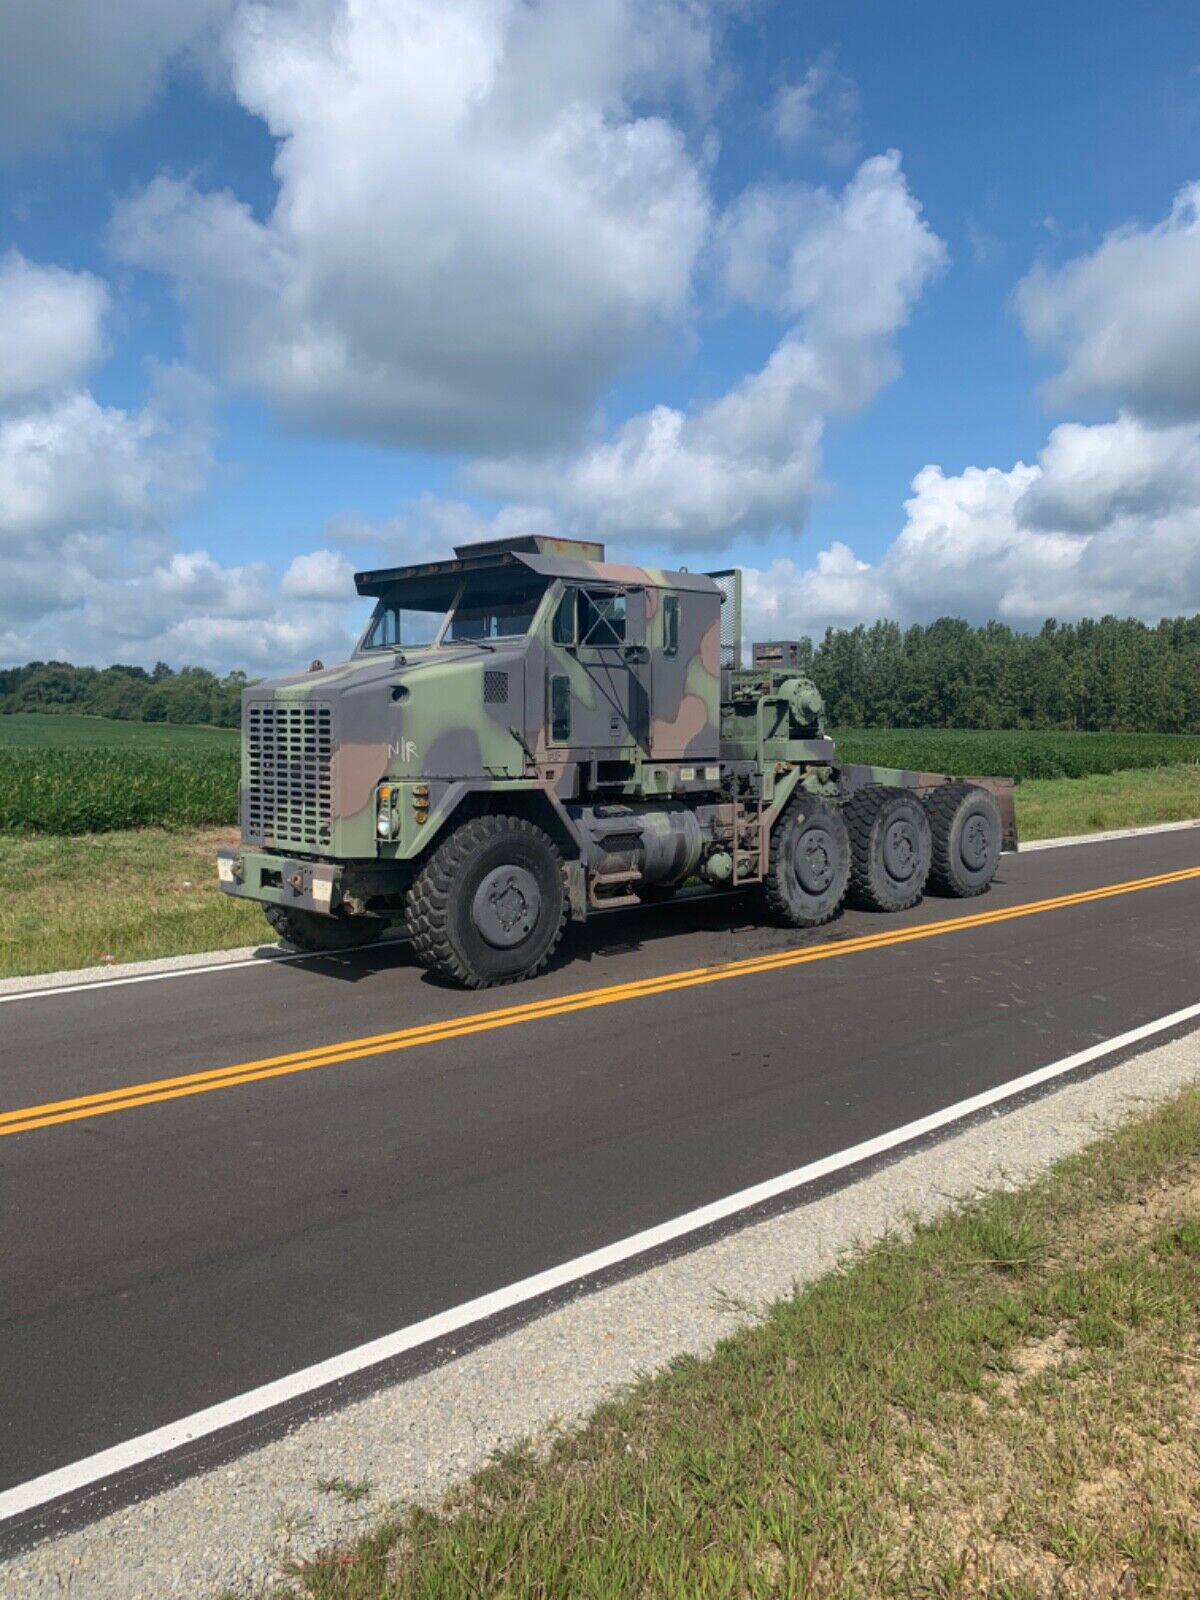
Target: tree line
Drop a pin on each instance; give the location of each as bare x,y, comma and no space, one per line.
128,694
1113,675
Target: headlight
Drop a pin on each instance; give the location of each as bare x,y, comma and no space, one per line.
383,822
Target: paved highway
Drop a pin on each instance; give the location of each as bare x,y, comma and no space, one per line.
215,1180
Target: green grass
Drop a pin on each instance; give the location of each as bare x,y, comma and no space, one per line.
1014,754
1003,1405
116,897
45,731
1049,808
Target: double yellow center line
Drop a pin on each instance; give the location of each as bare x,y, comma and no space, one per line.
27,1118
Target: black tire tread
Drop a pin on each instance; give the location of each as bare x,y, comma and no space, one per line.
774,898
860,812
429,898
940,805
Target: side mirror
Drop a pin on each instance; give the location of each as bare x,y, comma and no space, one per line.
635,619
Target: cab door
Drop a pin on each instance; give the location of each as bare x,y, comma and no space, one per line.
597,695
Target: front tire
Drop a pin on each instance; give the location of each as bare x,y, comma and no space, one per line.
890,847
809,864
309,930
489,906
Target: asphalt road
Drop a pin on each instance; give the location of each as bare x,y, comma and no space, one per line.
208,1237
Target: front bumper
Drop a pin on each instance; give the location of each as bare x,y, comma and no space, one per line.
281,880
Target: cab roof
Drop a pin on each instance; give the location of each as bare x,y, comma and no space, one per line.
580,560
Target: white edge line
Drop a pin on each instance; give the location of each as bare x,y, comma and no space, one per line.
268,956
1106,838
146,1446
153,977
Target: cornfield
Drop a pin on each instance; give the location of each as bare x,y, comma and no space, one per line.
185,782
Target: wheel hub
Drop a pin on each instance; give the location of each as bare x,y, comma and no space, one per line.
900,850
976,843
814,863
506,906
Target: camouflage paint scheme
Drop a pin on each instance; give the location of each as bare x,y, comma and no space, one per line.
657,727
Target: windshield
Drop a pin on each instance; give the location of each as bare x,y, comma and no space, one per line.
485,609
394,627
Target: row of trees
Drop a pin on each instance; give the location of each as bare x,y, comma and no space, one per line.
1115,674
130,694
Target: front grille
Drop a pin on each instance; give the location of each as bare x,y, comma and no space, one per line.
495,688
289,748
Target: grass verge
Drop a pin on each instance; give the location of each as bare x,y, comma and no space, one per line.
1050,807
1006,1404
87,901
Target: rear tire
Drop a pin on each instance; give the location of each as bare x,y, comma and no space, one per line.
310,930
967,838
489,906
809,865
890,847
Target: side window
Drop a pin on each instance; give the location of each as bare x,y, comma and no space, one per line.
560,709
671,625
563,629
383,633
601,617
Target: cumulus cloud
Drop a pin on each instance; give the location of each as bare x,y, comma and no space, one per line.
479,219
319,575
849,267
1125,319
820,111
1106,521
51,328
88,492
189,607
74,64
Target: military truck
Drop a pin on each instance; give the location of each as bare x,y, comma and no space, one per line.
527,734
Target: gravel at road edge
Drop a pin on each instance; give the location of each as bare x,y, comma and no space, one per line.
232,1528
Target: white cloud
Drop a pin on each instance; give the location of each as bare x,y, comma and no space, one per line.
1107,521
821,111
51,328
319,575
850,268
78,64
189,608
478,223
1126,318
430,527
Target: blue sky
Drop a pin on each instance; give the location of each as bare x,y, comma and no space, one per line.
259,311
